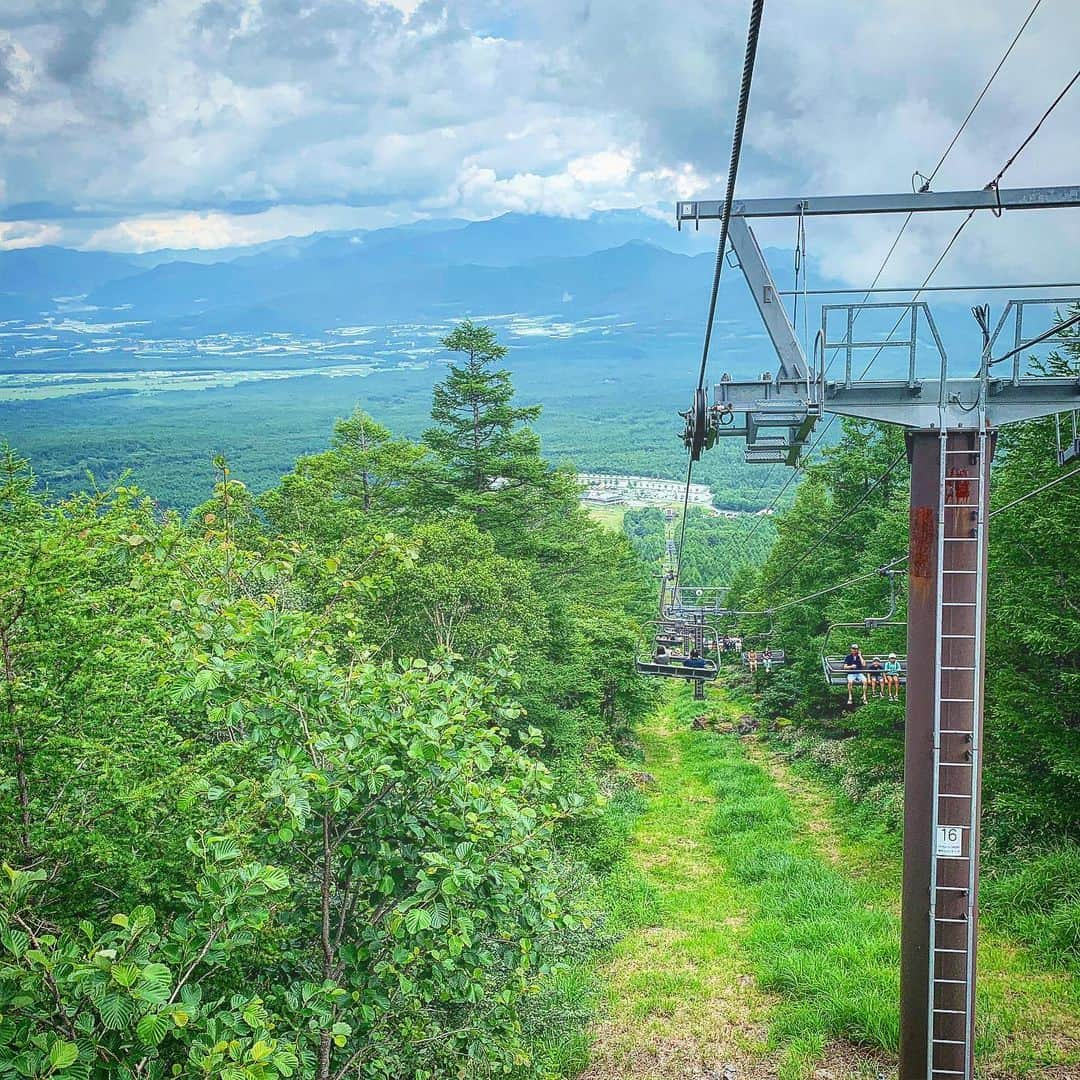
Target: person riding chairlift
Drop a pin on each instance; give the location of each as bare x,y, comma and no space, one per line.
892,677
766,659
751,659
855,666
876,674
695,660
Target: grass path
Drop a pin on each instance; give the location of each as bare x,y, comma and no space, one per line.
776,944
681,1001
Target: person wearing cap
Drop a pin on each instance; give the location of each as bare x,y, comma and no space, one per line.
892,677
876,675
855,665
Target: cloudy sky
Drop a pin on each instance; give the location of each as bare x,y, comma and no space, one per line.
139,124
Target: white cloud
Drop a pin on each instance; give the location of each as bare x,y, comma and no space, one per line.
26,234
167,117
214,229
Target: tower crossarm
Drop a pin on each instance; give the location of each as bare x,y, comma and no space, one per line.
994,199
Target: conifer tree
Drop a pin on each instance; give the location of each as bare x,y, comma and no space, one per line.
478,436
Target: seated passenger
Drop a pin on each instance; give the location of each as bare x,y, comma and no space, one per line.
892,677
766,660
751,659
661,655
877,678
855,665
695,660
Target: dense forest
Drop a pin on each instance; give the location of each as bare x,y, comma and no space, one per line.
715,550
307,784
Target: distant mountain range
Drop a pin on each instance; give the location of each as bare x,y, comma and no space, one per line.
622,264
618,261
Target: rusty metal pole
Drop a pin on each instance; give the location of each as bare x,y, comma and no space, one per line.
939,902
923,449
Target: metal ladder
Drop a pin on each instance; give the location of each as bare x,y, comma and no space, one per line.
957,711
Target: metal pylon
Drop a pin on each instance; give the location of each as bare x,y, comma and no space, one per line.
957,725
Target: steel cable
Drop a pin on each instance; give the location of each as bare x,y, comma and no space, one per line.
752,34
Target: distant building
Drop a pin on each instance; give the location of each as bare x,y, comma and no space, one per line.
606,489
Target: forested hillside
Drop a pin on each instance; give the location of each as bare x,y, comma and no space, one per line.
306,784
715,550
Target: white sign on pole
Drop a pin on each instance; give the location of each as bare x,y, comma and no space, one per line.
950,839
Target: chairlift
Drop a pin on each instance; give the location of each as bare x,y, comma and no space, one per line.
832,664
688,636
775,657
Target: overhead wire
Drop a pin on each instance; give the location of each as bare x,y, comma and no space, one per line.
753,32
907,220
801,465
982,94
848,514
903,558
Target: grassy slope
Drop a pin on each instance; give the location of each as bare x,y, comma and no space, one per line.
756,878
611,517
681,1002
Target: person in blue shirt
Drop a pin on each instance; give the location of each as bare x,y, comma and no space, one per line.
695,660
855,666
892,677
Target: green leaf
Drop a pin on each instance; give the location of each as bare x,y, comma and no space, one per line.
417,919
115,1011
152,1028
62,1054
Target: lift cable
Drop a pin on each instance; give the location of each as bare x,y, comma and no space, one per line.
849,513
940,259
752,35
753,32
903,558
926,186
982,94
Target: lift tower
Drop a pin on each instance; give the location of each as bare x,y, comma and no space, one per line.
950,425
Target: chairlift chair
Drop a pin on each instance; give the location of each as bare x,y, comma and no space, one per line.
777,657
686,635
832,664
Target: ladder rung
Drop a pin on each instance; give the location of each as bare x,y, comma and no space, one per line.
960,506
948,1042
947,795
951,1012
962,952
961,539
952,982
956,764
967,453
955,858
955,731
959,603
951,888
946,1072
960,637
952,668
959,571
940,918
968,700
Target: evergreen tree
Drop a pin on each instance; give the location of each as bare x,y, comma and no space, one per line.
477,435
